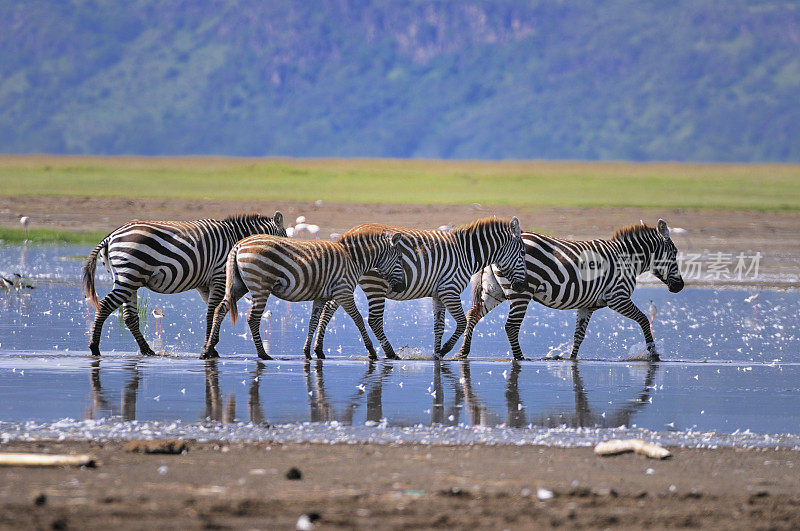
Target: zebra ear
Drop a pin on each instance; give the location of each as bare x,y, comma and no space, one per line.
515,228
278,218
396,237
663,230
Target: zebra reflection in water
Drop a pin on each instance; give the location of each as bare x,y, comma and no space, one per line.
455,398
477,413
101,404
320,407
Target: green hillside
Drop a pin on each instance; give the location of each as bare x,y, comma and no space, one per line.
694,80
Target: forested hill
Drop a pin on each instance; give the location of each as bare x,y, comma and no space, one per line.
701,80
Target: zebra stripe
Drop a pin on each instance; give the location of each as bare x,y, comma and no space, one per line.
582,275
439,264
167,257
303,271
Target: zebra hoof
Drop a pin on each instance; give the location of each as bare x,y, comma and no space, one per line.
320,354
654,357
209,353
392,356
461,356
95,349
264,356
147,352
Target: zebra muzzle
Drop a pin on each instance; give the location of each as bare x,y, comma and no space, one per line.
398,286
519,285
675,287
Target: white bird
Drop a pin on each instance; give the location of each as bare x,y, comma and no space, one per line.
653,311
158,313
446,228
677,230
313,230
300,227
335,236
299,220
289,232
25,221
753,299
318,202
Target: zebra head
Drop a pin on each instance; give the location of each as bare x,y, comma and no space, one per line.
510,258
389,263
244,225
665,260
273,226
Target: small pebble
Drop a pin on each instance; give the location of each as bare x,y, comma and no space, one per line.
294,474
544,494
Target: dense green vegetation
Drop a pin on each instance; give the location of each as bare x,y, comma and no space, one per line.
694,80
741,186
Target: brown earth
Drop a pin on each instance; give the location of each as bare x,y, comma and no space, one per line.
414,486
773,234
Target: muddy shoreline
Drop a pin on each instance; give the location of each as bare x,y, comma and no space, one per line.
418,486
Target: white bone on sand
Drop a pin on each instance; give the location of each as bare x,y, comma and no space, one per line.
9,459
621,446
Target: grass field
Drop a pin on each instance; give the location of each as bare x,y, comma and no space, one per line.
572,184
49,236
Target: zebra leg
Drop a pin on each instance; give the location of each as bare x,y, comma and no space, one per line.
316,311
377,304
208,349
452,302
345,300
481,305
516,314
131,315
581,322
259,304
212,296
438,324
325,318
110,302
626,308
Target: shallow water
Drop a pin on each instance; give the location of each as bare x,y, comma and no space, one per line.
730,375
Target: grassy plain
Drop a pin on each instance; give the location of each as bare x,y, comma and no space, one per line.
567,184
49,236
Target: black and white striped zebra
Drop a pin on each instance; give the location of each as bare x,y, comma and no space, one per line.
167,257
318,271
585,275
439,264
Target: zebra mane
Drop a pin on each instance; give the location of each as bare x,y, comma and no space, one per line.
247,217
367,232
631,231
481,224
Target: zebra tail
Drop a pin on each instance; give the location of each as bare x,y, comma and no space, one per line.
89,268
477,290
231,272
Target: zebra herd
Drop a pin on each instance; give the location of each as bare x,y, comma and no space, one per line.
225,259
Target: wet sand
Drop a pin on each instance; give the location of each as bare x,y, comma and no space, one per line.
416,486
773,234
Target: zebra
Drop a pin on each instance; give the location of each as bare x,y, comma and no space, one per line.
439,264
585,275
167,257
308,270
